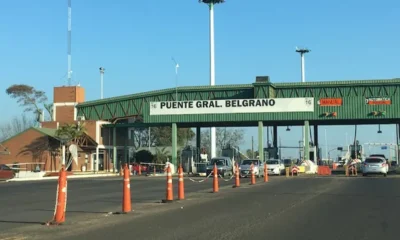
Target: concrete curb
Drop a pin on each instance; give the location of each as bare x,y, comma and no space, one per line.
56,177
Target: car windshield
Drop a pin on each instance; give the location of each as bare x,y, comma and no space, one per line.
218,162
373,160
249,162
273,162
4,167
377,155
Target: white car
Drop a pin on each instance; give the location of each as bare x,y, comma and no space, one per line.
275,167
375,165
245,168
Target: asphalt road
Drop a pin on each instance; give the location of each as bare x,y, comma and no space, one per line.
24,203
294,208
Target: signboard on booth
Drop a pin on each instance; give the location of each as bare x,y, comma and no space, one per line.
330,102
378,101
232,106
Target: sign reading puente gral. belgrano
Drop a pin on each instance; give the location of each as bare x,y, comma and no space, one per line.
232,106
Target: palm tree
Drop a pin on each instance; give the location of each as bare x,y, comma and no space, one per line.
69,134
71,131
161,155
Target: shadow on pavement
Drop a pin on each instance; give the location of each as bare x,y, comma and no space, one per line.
48,210
22,222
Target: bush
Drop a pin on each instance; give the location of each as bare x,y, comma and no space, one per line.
144,156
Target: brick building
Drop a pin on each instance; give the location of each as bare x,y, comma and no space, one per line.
39,146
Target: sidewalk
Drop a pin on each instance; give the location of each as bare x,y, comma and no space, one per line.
76,175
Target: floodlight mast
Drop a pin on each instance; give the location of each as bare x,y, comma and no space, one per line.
69,43
302,52
102,82
211,4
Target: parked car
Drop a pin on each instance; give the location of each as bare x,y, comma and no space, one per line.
224,166
245,168
6,172
375,165
275,167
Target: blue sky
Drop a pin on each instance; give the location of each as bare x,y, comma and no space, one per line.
135,40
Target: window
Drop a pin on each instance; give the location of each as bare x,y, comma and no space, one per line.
374,160
272,162
218,162
249,162
4,167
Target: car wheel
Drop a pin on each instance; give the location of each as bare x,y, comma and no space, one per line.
364,174
385,174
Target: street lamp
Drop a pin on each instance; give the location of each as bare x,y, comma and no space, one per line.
329,152
379,129
211,4
302,52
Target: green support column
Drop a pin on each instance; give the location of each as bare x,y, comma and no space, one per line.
114,138
174,144
260,140
125,153
306,140
198,138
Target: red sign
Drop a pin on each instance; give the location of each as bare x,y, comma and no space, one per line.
330,102
378,101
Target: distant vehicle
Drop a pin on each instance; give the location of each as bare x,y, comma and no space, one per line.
245,168
275,167
224,166
375,165
378,155
6,172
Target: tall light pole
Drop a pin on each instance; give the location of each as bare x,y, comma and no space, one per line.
101,81
302,52
176,78
211,4
69,42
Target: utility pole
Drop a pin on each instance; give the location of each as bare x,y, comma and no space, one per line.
101,81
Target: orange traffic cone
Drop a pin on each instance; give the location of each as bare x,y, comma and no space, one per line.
215,182
126,198
61,202
237,178
181,187
170,195
265,173
253,177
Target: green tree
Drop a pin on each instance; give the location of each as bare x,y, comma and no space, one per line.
144,156
31,99
71,131
15,126
161,155
160,136
225,136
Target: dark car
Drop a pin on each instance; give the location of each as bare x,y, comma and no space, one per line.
6,172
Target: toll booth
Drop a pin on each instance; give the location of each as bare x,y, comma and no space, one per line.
315,153
189,158
231,152
271,153
356,150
